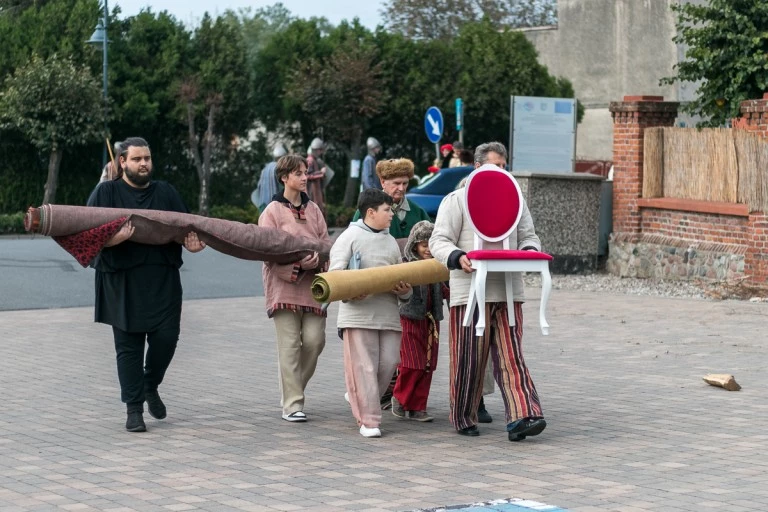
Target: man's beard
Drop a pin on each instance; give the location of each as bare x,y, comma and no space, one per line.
137,178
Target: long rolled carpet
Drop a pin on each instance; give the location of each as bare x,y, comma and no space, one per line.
347,284
82,231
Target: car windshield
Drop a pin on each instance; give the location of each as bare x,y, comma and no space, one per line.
445,182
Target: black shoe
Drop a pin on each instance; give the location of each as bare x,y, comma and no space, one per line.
155,404
135,421
482,414
469,431
520,429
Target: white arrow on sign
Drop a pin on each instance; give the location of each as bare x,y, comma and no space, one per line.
435,125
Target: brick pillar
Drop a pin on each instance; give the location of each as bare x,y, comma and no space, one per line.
630,119
756,257
754,116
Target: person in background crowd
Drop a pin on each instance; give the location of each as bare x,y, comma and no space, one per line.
316,173
369,177
455,161
466,157
299,319
446,153
395,175
269,184
112,170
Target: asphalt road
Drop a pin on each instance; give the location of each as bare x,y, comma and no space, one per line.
35,273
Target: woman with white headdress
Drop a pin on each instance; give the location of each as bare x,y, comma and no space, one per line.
316,170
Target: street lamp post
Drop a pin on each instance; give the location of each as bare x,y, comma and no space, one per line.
99,38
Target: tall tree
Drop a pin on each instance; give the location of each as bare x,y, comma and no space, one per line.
148,58
442,19
55,105
43,28
341,95
727,44
216,95
302,41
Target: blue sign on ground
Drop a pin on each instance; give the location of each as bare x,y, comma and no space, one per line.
433,124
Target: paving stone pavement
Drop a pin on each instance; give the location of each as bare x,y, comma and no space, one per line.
632,427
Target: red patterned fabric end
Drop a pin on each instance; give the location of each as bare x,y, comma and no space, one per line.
86,245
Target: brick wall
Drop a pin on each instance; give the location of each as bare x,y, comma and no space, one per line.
702,227
754,116
679,239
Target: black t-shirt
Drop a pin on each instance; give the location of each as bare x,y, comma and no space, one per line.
138,287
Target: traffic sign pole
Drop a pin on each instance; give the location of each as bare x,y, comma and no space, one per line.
460,119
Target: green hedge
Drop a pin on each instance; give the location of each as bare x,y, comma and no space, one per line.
11,223
247,215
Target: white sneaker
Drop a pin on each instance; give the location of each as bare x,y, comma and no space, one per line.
346,397
369,432
295,416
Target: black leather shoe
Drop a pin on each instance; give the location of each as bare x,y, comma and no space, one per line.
520,429
155,404
469,431
482,414
135,422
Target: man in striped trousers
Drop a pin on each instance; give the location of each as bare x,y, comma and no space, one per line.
451,239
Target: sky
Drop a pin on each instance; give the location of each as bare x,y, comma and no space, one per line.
190,11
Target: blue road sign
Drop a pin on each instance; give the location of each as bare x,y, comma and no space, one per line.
433,124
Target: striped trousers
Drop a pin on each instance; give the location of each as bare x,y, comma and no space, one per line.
469,355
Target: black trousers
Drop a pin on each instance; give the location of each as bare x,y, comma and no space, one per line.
134,374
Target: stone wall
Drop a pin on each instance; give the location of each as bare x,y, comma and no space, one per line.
565,210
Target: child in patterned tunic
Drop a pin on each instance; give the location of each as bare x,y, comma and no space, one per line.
420,319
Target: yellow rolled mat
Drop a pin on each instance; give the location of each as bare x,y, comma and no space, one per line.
347,284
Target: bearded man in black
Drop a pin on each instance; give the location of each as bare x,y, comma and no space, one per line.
138,286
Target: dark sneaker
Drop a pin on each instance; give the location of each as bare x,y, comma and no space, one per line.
135,422
469,431
482,414
155,405
397,408
418,415
520,429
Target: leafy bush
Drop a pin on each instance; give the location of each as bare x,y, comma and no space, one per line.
339,216
11,223
247,215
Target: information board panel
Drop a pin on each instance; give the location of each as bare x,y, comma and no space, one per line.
542,134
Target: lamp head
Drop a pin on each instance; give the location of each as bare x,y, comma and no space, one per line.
99,35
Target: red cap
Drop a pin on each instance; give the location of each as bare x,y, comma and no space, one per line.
433,168
446,146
